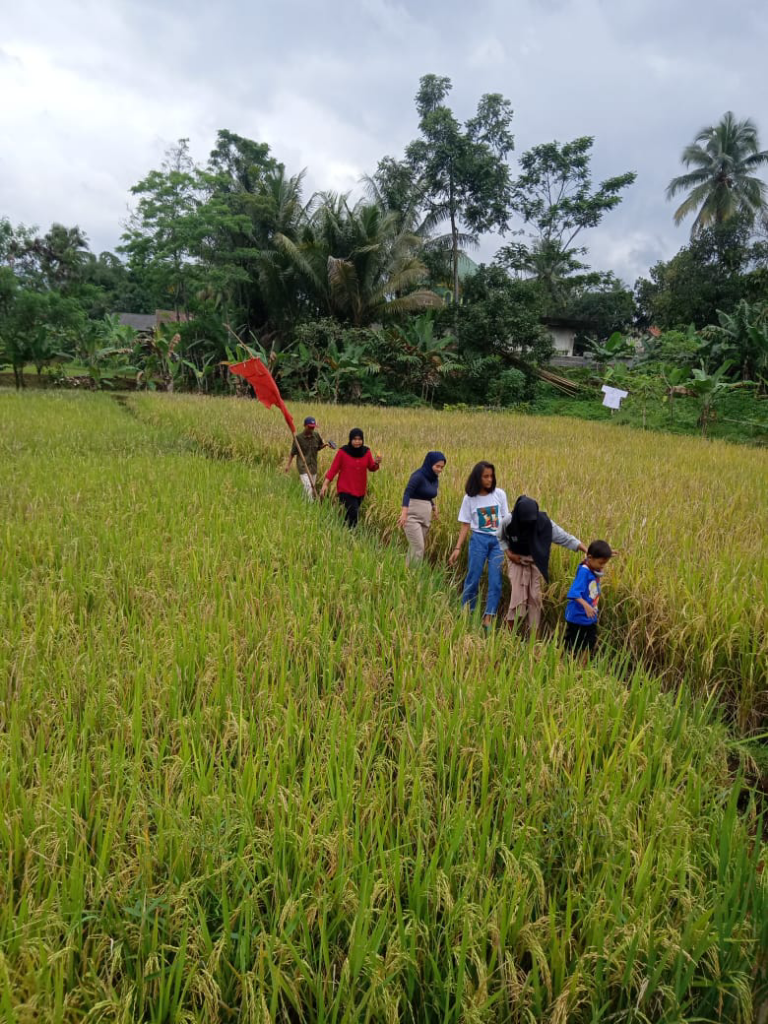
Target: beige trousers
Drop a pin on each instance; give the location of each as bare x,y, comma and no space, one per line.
416,529
525,597
307,482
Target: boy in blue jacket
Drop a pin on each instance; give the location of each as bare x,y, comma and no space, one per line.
581,610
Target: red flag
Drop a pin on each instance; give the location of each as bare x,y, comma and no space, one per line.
263,383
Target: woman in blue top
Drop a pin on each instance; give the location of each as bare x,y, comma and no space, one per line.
419,505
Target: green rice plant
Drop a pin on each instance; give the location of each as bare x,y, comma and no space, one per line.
252,769
686,595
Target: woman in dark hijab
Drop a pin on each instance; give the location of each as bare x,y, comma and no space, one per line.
526,535
351,464
419,505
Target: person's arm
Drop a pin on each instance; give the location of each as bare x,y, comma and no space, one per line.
565,539
503,504
371,463
501,533
291,457
332,472
453,557
407,499
465,518
589,610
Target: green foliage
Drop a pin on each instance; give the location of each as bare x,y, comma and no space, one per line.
503,317
168,228
428,357
616,347
419,823
461,170
678,348
330,361
717,269
605,308
723,185
160,359
554,194
236,242
709,389
508,387
356,262
741,339
36,327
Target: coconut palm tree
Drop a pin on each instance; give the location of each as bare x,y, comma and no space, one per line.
358,262
722,184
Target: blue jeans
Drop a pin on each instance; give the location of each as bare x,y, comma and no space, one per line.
483,547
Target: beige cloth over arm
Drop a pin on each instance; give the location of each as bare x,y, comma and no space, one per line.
416,529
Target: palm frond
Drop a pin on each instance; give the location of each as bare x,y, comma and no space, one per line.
299,259
415,302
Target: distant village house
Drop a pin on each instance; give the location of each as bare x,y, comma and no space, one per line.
145,323
563,331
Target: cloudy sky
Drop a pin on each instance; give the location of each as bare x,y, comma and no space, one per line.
94,91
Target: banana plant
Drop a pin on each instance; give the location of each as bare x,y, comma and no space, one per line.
708,389
616,347
673,377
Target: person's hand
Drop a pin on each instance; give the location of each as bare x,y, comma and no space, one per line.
454,555
514,557
591,611
286,469
403,519
324,489
377,460
435,513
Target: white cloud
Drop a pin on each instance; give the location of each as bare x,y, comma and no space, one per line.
94,92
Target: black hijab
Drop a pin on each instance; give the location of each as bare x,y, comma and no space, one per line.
529,532
356,453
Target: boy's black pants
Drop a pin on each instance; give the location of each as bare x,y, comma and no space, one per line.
580,637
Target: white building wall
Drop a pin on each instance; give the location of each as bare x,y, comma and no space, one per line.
563,339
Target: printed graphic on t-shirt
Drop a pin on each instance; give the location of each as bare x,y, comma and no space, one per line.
594,592
488,519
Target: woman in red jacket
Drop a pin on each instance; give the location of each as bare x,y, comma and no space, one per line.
351,464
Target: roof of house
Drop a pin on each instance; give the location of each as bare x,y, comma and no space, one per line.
574,323
138,321
144,322
467,266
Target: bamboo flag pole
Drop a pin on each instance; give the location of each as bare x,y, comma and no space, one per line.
293,432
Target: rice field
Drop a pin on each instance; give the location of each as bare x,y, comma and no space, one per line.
688,595
251,769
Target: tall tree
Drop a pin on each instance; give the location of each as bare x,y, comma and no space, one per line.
237,198
62,255
554,195
722,184
717,269
164,233
461,170
357,262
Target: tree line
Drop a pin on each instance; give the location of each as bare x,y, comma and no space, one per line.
376,298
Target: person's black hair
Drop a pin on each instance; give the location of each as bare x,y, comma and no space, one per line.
599,549
475,479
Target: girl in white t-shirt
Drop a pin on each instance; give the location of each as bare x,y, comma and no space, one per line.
482,510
